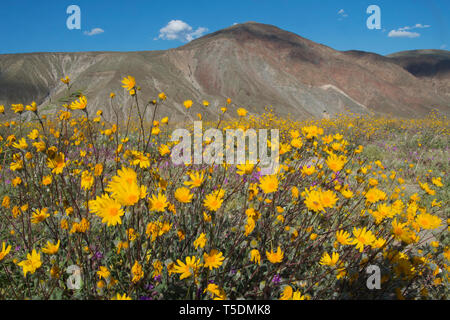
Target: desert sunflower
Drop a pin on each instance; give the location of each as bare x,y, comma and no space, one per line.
108,209
213,260
187,269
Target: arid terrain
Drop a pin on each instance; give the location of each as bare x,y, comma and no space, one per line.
256,65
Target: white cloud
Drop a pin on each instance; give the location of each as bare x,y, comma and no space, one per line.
443,46
417,26
421,26
181,31
342,14
94,32
404,32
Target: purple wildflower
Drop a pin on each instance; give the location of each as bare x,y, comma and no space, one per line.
276,279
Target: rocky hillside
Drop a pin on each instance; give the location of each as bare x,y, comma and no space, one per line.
256,65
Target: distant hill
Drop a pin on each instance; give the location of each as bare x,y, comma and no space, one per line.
256,65
429,65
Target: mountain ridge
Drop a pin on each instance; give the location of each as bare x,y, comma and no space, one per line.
256,65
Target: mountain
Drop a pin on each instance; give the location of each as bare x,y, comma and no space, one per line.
256,65
432,66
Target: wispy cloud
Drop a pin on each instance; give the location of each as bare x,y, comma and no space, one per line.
342,14
443,46
181,31
405,32
94,32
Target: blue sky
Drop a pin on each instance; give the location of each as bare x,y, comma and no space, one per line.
40,26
